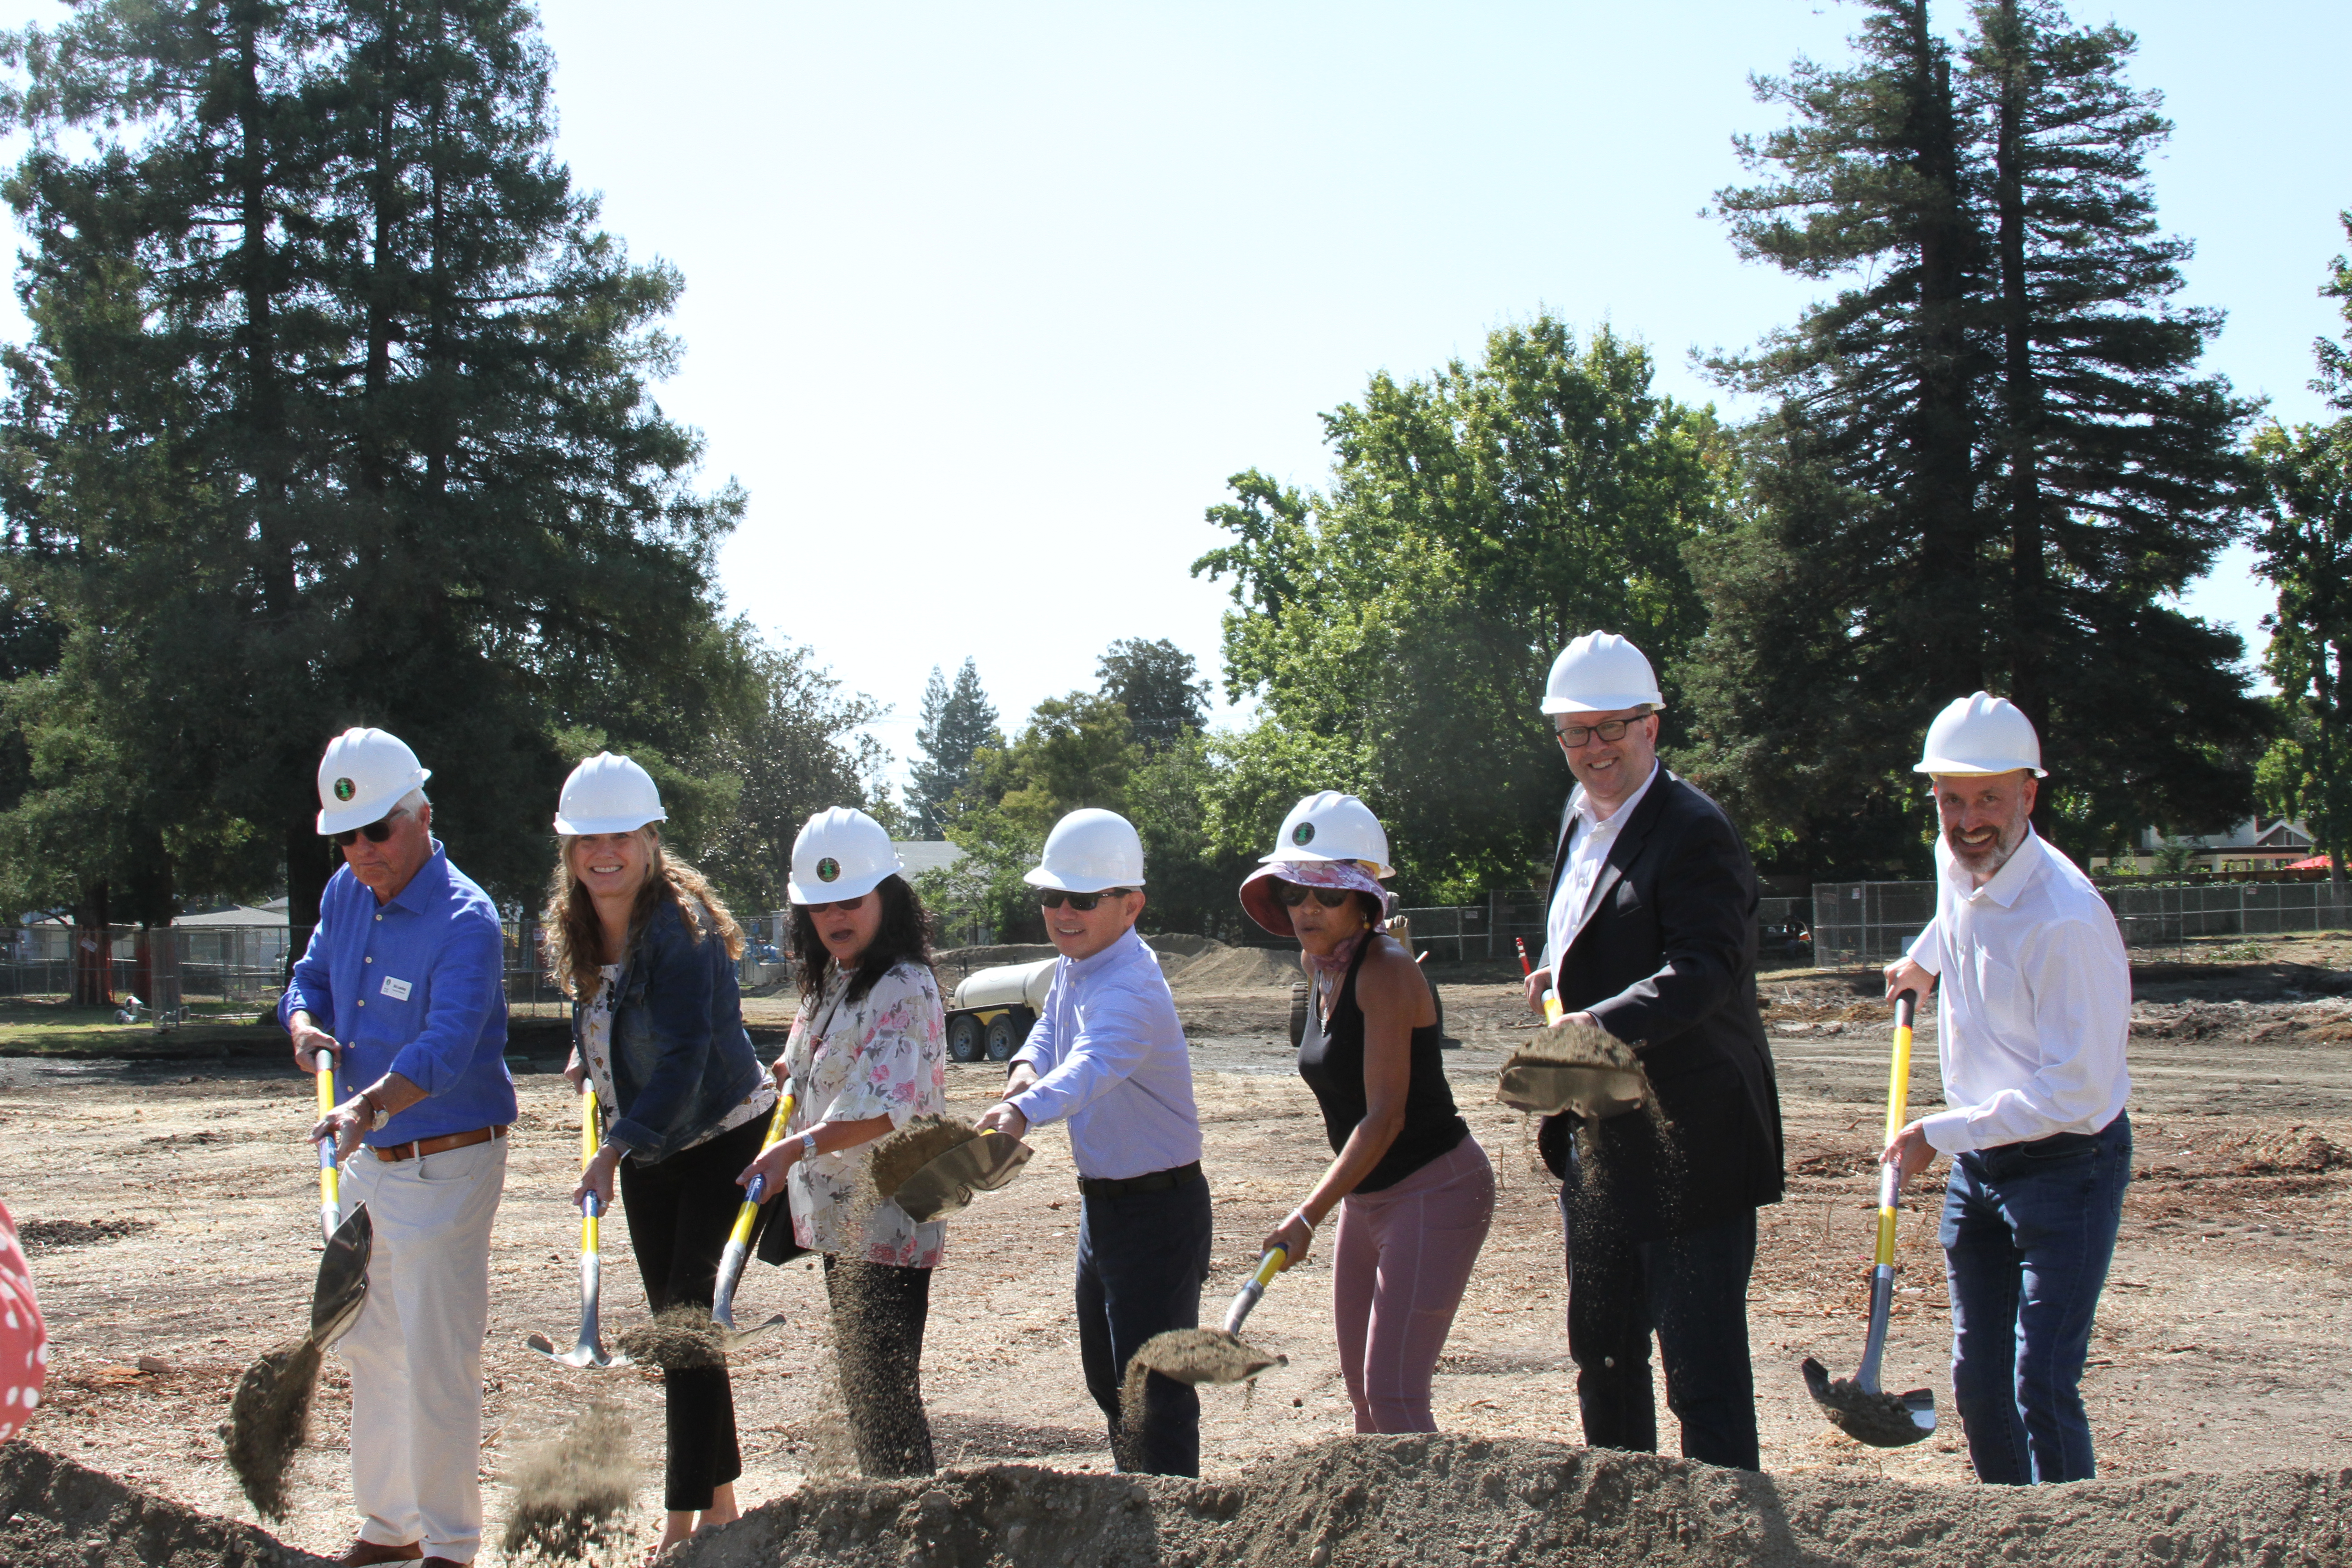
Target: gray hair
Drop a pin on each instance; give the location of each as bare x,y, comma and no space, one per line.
410,802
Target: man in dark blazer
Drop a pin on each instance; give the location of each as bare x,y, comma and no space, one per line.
1652,936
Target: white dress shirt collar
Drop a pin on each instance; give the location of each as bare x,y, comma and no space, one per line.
1581,802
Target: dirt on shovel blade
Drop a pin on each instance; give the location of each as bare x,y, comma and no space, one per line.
1192,1356
1882,1420
269,1418
573,1492
677,1339
923,1140
1577,1045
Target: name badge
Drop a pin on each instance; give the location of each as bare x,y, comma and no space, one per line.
397,990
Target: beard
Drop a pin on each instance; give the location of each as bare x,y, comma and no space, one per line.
1985,856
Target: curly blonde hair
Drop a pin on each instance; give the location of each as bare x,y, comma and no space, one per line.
575,937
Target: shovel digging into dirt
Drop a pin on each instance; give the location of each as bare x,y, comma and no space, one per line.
1207,1355
739,1240
935,1166
1574,1066
270,1413
1857,1406
590,1348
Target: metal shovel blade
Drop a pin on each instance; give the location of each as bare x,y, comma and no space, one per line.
590,1348
341,1287
1548,1088
1874,1417
949,1182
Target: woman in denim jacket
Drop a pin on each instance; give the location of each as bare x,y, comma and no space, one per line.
647,951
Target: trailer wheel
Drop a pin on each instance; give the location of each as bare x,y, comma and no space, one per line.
1004,1037
964,1038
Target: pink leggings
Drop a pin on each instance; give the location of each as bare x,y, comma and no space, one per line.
1398,1270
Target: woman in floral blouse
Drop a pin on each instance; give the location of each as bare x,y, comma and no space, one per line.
865,1054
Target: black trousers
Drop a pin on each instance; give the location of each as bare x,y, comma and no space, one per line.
1142,1259
679,1212
1692,1291
878,1313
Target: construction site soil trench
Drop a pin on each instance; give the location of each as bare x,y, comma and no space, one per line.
172,1234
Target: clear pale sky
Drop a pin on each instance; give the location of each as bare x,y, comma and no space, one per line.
984,303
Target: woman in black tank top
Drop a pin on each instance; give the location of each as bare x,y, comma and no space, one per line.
1413,1191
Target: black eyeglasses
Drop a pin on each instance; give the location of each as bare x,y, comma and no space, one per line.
843,905
1290,895
375,832
1053,898
1574,735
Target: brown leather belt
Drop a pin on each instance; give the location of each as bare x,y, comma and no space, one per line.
393,1153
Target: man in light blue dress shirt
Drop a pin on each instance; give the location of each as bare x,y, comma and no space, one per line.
1108,1057
404,982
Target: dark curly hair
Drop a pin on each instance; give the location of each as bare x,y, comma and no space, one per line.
904,935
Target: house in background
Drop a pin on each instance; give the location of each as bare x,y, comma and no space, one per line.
2252,845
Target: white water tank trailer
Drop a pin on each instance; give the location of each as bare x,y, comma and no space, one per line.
994,1009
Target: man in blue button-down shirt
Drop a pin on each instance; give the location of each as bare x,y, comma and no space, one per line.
402,982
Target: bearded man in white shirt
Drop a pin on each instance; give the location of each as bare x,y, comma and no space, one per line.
2036,1011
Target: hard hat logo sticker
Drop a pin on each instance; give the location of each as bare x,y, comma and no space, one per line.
1303,835
346,789
828,870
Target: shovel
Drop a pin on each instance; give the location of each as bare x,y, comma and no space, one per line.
269,1409
739,1240
1574,1066
342,1286
1214,1355
948,1183
589,1350
1857,1406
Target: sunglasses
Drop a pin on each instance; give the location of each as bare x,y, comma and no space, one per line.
1054,897
1290,895
843,905
375,832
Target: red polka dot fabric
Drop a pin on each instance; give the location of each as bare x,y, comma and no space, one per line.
24,1338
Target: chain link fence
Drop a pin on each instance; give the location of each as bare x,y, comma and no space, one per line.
1875,923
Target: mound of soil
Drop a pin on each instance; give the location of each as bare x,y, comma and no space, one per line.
42,1234
923,1140
1221,972
1356,1503
55,1514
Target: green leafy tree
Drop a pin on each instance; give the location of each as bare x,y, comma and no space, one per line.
1158,684
957,721
336,412
1992,462
1398,627
2306,553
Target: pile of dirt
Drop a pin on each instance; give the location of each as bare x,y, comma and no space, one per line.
55,1514
921,1141
43,1234
1356,1502
1236,969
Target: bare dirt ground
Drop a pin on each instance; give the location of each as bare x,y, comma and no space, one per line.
169,1210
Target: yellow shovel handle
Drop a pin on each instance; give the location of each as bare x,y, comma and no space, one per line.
1898,1092
329,1182
1277,1260
749,1215
588,1210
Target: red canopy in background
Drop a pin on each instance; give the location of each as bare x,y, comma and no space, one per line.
2316,863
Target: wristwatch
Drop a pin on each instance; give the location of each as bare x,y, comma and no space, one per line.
377,1114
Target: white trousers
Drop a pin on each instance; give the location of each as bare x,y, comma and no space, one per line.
415,1353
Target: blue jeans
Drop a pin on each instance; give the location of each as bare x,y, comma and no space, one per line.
2029,1230
1142,1259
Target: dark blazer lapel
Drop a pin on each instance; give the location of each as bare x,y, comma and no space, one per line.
1559,851
1628,844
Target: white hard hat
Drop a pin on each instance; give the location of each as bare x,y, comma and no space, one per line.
1981,734
364,775
1330,826
608,795
1088,851
840,854
1600,672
